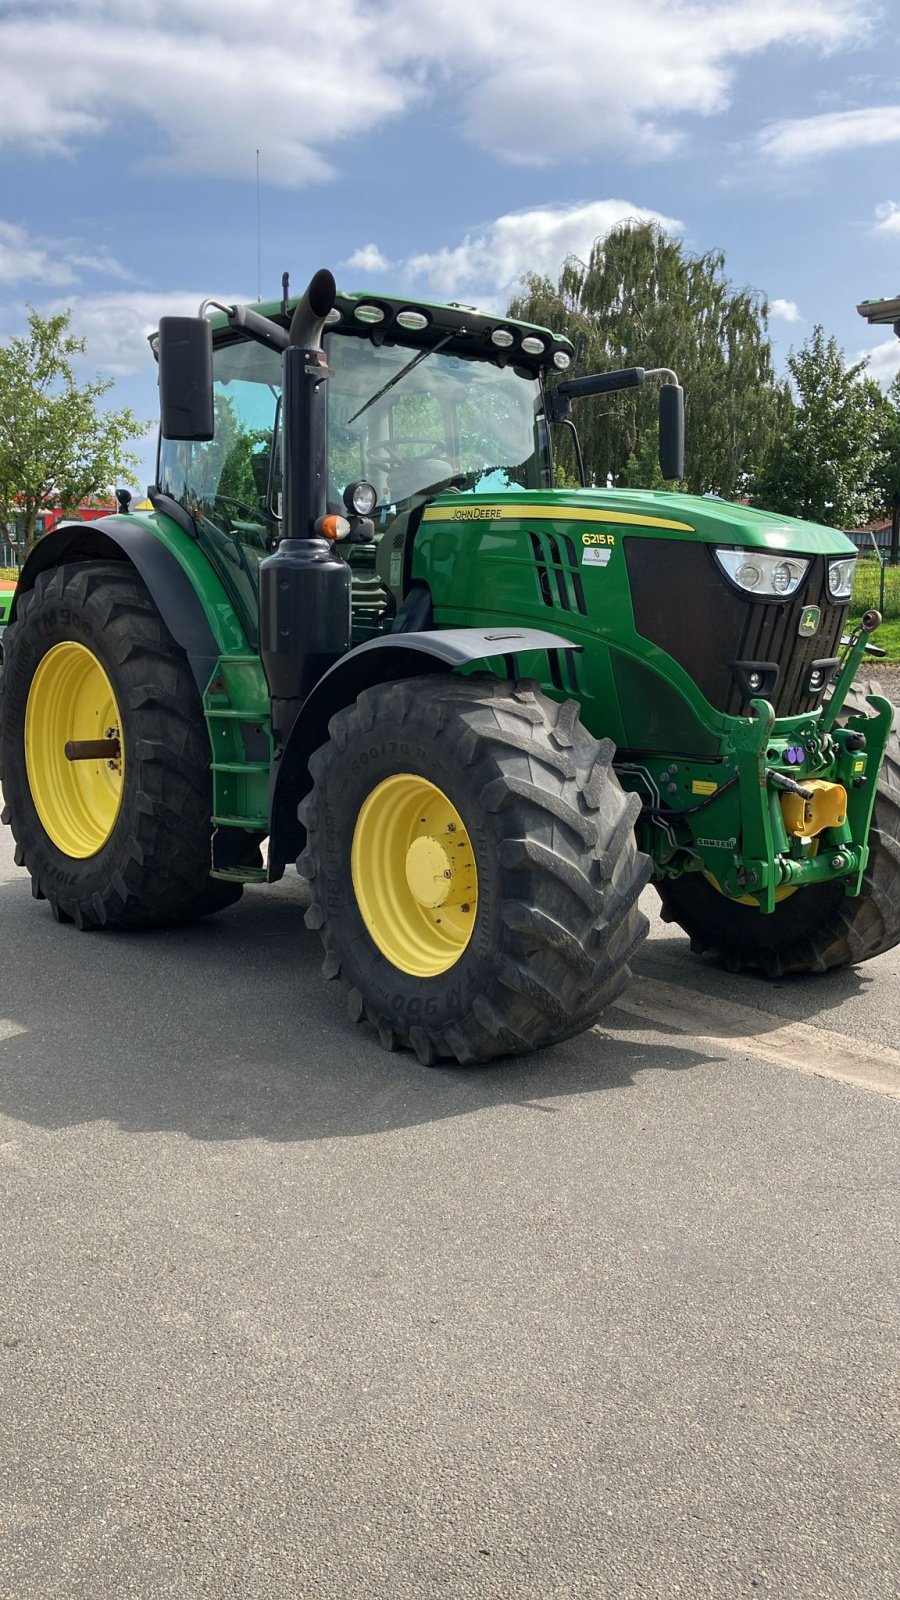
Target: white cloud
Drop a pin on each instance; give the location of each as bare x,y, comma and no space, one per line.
490,260
785,310
888,219
368,258
884,361
28,259
218,82
801,138
116,325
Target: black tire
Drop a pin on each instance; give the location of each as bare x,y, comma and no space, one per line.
153,870
817,928
559,872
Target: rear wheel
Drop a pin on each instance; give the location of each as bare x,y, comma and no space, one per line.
473,867
104,755
813,929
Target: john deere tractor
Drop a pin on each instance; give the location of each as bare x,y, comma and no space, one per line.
361,630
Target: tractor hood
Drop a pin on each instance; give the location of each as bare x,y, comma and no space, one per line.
712,521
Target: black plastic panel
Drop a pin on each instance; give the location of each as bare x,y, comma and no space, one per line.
684,603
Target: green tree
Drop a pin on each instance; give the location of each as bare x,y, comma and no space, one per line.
642,469
643,300
822,464
56,448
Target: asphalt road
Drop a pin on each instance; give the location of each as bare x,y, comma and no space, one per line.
284,1316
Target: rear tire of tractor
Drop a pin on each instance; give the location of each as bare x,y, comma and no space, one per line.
815,929
150,867
557,876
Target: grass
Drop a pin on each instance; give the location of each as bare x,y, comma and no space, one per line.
867,593
888,639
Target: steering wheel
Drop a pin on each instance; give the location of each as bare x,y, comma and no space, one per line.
388,453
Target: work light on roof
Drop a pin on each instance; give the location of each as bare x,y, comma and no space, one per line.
412,320
562,359
533,345
368,313
333,316
503,338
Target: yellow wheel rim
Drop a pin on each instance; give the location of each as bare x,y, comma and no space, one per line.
414,875
71,699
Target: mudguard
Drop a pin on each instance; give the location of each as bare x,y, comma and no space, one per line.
121,538
392,655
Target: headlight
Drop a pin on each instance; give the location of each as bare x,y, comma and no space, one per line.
761,573
840,577
361,497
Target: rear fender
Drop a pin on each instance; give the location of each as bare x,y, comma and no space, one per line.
133,539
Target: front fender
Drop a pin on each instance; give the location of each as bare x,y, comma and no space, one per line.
381,660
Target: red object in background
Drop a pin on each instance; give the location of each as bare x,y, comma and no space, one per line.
84,513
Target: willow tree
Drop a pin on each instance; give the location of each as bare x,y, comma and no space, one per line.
643,300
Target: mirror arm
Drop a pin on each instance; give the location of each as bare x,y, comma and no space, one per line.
579,458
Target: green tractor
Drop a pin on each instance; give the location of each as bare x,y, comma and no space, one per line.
361,630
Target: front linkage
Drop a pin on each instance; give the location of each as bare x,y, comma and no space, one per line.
789,805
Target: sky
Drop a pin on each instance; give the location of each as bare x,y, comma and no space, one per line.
439,148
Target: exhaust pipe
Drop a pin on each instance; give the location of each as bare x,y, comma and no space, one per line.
304,588
308,321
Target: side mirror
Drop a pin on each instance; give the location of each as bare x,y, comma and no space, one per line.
185,378
671,430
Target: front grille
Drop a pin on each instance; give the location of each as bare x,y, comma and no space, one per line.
684,603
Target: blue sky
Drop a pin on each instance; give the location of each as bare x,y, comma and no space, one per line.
440,147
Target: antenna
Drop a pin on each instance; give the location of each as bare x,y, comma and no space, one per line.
258,239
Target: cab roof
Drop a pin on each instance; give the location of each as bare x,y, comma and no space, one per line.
470,331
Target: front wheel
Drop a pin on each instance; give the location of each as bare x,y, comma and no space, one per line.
813,929
473,867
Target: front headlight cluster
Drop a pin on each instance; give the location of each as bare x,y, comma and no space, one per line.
775,576
761,573
840,577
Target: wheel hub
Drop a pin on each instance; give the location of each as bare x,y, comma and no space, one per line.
429,871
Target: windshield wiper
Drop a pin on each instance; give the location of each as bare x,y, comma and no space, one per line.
419,356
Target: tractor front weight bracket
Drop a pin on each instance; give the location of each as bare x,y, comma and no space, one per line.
751,741
862,786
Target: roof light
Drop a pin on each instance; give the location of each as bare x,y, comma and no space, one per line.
562,359
368,313
533,345
333,316
503,338
412,319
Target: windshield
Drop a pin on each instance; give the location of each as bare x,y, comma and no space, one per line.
445,421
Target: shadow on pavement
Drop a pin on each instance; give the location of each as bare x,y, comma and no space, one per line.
226,1030
799,997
